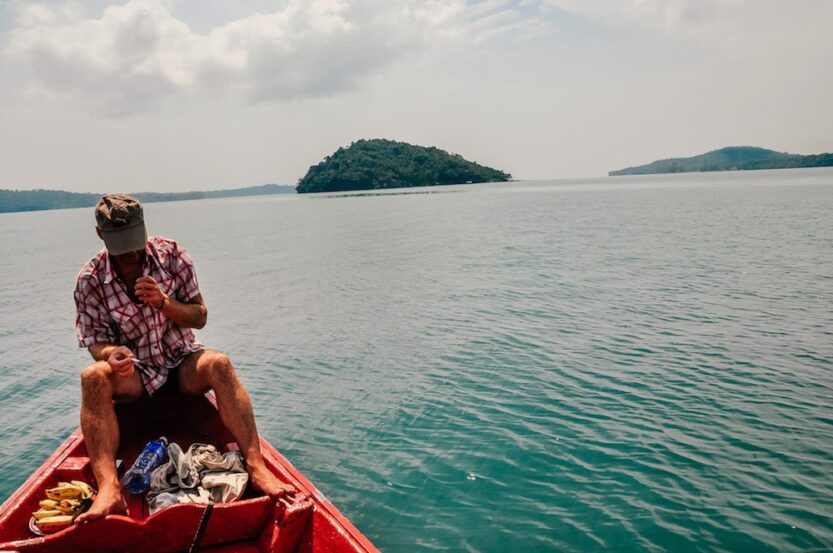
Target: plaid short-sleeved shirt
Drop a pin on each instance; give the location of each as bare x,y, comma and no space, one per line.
106,314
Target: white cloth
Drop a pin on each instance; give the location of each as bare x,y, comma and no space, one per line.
201,475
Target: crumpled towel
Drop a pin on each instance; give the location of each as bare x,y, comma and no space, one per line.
202,475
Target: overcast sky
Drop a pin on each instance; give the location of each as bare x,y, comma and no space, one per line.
174,95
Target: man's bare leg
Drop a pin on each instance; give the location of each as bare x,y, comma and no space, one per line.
211,369
99,386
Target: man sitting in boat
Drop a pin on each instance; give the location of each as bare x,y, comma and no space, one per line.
137,301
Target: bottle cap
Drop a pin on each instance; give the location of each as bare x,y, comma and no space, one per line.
163,439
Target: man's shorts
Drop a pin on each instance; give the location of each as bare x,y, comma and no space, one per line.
171,385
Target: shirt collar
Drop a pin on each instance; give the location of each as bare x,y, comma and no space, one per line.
109,272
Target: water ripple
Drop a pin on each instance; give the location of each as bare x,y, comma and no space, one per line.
627,367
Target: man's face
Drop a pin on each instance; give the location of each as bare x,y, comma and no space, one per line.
129,258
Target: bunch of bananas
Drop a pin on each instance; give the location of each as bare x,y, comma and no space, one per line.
62,504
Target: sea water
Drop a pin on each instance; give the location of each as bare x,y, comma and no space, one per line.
629,364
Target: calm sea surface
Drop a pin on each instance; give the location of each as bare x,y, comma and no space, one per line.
634,364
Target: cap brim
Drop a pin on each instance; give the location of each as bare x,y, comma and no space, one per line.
125,240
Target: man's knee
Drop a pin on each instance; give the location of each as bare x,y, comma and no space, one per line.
220,369
95,382
99,381
96,375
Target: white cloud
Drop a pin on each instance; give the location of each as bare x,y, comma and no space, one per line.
668,15
131,56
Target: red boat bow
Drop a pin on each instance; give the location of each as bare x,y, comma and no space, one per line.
304,523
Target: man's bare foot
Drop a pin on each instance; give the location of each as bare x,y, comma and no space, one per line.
268,483
109,501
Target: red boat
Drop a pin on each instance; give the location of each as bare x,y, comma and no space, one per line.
304,523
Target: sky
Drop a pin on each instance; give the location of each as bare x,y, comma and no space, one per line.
178,95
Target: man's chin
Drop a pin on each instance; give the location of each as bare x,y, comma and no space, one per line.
129,257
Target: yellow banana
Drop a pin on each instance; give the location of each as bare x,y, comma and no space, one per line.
65,501
44,513
65,492
86,488
48,504
69,506
49,525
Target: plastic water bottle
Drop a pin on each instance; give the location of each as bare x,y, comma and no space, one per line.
137,479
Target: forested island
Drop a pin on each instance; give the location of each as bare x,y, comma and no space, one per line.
36,200
380,164
733,158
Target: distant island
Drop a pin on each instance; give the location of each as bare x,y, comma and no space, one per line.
36,200
380,164
733,158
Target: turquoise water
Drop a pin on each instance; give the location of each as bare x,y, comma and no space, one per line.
629,364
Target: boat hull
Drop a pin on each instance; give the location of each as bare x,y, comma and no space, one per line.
304,523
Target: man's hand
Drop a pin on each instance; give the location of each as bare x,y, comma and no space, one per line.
121,361
148,292
187,315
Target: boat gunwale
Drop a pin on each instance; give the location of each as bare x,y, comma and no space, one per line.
42,473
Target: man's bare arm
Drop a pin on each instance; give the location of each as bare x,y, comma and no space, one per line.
101,352
120,358
193,314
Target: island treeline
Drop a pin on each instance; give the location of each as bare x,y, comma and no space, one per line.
732,158
36,200
379,164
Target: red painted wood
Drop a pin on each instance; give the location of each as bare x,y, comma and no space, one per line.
240,547
326,514
308,523
287,524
